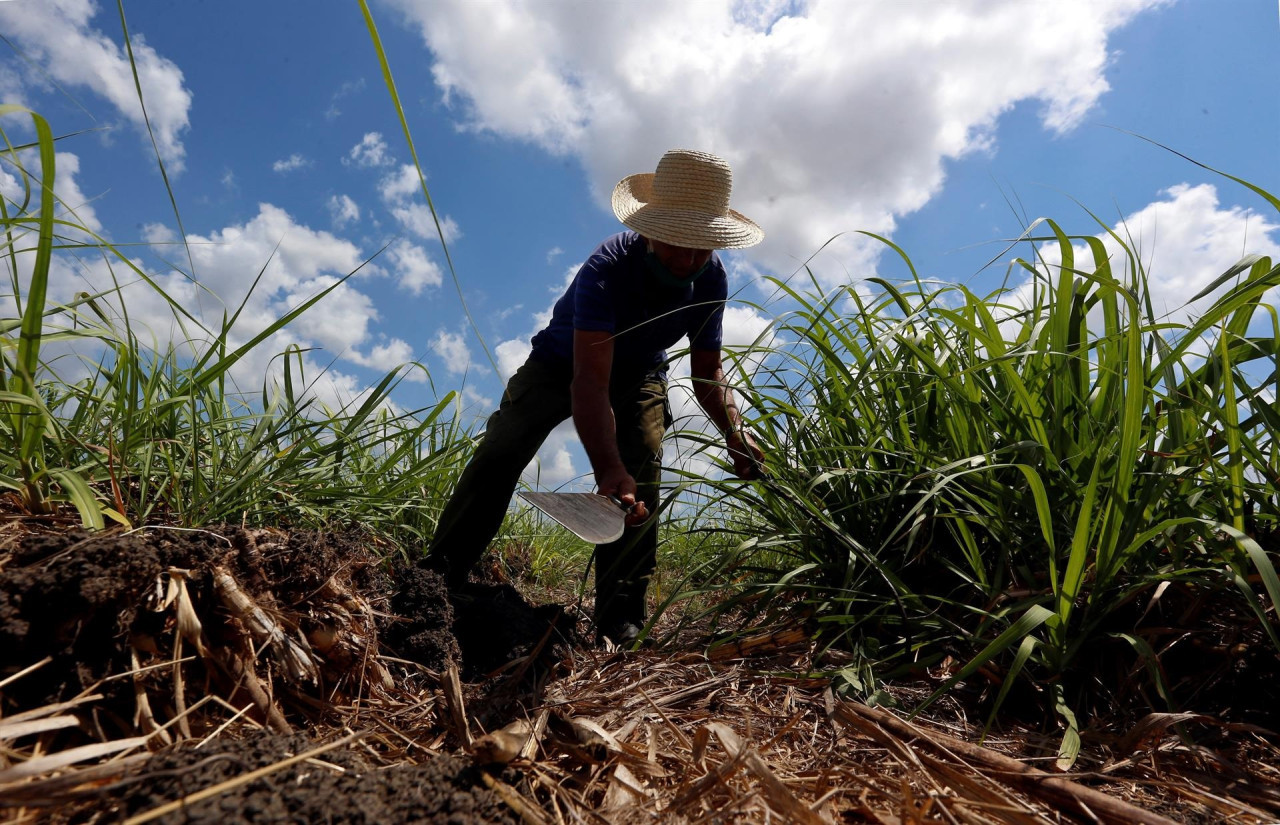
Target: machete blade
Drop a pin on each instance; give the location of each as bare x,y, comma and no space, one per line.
590,517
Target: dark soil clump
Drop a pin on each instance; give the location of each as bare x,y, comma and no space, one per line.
423,630
481,626
95,603
494,624
295,628
441,789
76,597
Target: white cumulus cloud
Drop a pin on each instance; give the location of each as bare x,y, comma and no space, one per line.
742,327
387,356
453,351
1184,241
836,116
401,184
371,151
412,268
158,233
71,203
295,262
554,468
59,37
511,354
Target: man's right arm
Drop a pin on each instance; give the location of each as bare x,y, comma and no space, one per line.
593,418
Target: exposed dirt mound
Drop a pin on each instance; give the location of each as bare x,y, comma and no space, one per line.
77,597
423,630
294,629
321,604
172,650
341,786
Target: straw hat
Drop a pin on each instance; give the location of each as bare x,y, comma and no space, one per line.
685,203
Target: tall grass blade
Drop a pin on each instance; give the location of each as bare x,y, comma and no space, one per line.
155,148
422,180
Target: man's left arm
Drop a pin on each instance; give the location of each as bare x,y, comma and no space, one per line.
716,400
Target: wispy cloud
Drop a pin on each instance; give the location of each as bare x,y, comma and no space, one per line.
400,191
349,88
290,164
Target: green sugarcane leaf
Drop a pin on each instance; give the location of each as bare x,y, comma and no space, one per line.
1034,616
1025,649
81,496
1069,749
1152,663
1231,274
10,397
1260,558
28,360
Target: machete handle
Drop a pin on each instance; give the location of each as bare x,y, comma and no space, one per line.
622,506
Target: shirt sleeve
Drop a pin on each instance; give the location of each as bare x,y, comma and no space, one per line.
707,329
593,294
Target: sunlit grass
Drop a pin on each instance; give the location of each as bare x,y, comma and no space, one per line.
158,433
1000,476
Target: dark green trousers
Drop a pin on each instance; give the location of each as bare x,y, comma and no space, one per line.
536,400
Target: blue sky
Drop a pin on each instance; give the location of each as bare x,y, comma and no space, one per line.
915,120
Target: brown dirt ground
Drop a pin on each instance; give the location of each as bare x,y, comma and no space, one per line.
339,786
92,614
87,602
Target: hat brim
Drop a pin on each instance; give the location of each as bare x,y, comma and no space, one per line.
689,228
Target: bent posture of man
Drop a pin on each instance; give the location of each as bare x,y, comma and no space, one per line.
602,360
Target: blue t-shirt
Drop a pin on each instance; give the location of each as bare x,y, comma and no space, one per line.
615,292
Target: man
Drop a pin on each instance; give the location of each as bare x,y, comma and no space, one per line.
602,360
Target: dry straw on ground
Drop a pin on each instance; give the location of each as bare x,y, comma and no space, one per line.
655,737
578,734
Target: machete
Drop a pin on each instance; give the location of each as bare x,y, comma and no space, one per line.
591,517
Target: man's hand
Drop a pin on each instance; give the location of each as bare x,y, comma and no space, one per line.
747,457
617,482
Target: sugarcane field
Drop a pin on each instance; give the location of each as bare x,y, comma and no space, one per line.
544,413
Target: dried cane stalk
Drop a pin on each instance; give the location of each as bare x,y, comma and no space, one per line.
299,663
